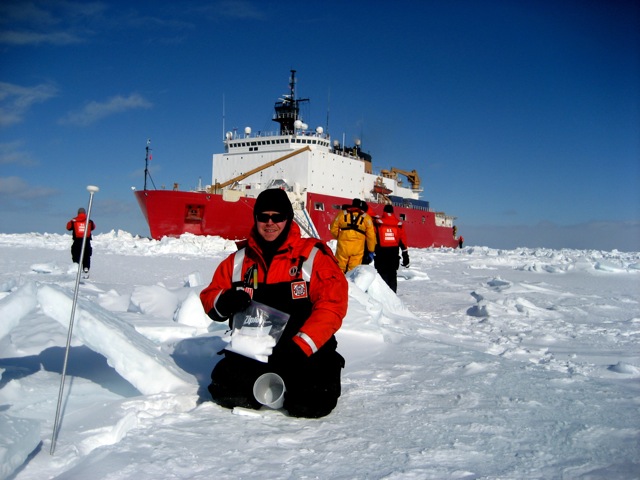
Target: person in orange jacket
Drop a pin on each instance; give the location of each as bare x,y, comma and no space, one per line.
77,226
356,235
299,276
392,239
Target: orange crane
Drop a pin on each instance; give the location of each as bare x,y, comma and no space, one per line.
219,186
412,176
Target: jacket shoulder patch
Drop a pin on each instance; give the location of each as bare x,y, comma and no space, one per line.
299,290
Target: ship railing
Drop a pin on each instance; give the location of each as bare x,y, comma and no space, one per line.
303,220
346,153
260,134
412,206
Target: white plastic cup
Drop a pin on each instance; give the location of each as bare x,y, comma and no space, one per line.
269,390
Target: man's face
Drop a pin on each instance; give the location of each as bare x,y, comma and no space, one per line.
270,224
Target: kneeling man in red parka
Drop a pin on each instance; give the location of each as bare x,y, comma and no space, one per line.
298,276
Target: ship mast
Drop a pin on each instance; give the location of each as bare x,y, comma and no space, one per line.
146,165
288,108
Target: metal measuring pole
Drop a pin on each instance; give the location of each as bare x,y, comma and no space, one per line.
91,189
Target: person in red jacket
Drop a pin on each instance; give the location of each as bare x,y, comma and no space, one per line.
391,237
298,276
77,227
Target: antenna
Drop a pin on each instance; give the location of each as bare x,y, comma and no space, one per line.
287,109
146,165
328,108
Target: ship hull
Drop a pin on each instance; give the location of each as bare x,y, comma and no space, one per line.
172,213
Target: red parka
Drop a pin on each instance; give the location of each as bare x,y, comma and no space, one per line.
317,305
78,224
391,239
390,231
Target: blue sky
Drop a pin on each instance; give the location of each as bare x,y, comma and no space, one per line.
522,117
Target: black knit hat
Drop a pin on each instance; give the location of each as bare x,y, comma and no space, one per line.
273,200
388,208
82,210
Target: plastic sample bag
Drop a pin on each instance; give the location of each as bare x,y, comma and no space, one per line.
256,330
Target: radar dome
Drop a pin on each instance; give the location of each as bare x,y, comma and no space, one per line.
247,130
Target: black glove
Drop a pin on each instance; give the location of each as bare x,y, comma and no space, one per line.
288,356
405,258
367,258
294,352
232,301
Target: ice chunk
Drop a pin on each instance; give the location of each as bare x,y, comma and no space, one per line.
132,355
18,438
16,306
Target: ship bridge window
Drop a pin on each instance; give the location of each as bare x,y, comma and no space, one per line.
319,206
194,214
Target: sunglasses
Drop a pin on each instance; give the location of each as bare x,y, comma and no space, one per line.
274,217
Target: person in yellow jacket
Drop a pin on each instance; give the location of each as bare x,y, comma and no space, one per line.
356,235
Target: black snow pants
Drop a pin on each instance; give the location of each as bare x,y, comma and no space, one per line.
312,386
76,249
